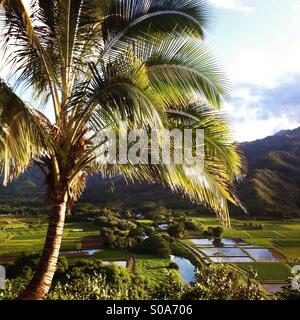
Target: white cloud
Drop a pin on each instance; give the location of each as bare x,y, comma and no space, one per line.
247,125
265,68
255,113
236,5
254,128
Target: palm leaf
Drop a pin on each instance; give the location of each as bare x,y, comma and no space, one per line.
24,134
126,21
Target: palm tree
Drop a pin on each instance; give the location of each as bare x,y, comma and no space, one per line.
97,63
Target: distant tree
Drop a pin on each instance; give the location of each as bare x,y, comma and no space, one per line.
150,231
213,232
154,245
176,230
163,211
192,226
217,232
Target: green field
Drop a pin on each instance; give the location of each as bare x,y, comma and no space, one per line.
269,272
27,235
282,236
154,269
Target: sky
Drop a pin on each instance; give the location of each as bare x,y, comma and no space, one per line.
258,44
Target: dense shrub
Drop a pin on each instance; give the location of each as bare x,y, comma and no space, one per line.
87,280
213,232
154,245
171,288
136,232
176,230
223,282
192,226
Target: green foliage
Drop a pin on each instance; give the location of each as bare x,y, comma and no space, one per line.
13,288
272,186
136,232
176,230
190,225
169,289
253,226
154,245
276,272
213,232
90,280
222,282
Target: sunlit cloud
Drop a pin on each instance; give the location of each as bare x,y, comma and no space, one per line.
254,129
256,111
264,68
236,5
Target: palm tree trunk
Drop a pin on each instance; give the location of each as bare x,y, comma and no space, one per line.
39,286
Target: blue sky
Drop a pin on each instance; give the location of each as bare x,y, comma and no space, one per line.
258,42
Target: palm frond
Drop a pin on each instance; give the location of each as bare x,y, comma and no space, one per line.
125,21
33,65
223,164
24,134
183,68
120,91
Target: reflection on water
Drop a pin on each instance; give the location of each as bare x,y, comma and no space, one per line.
210,242
226,252
263,254
80,253
186,268
231,259
234,251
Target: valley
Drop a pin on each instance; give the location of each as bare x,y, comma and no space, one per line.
240,246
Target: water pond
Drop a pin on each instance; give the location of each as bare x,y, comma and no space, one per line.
224,241
186,268
264,254
235,250
80,253
224,252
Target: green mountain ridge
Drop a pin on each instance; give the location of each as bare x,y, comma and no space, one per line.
271,188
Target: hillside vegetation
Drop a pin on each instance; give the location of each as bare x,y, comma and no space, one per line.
271,188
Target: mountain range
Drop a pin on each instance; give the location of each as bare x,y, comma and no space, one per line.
271,187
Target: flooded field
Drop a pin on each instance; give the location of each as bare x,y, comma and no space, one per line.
235,251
